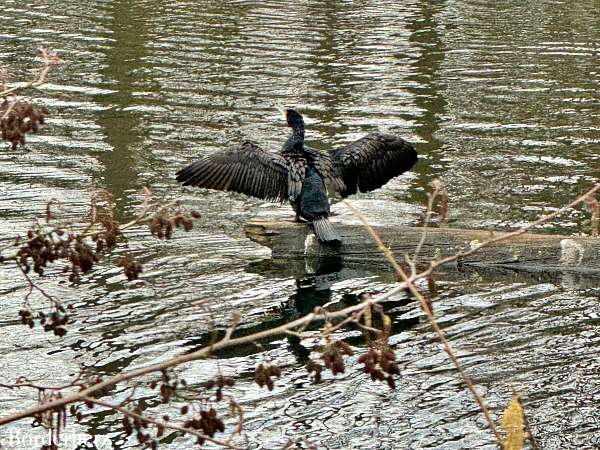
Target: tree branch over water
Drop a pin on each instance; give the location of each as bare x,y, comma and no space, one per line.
49,59
207,422
19,116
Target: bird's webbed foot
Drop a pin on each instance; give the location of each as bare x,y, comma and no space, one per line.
298,219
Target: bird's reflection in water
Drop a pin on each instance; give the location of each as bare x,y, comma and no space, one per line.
314,280
314,290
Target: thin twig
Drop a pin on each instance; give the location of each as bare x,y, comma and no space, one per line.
160,423
24,384
299,323
425,306
193,356
435,264
506,236
49,60
9,109
33,286
437,186
90,230
592,203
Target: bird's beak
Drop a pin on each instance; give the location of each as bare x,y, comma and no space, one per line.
282,111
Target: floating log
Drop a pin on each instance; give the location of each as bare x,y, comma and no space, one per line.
532,252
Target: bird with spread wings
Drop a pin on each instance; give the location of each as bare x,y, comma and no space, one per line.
304,175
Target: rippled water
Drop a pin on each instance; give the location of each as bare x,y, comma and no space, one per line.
501,99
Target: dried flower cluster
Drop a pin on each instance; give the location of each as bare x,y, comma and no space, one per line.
264,373
220,382
333,356
142,429
333,359
19,117
93,381
207,421
54,321
46,243
202,420
314,366
380,354
43,247
168,386
54,420
131,267
162,226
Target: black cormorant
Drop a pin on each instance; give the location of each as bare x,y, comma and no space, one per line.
304,175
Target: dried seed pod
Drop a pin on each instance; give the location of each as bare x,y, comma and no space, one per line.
380,362
127,426
313,366
263,374
131,267
17,118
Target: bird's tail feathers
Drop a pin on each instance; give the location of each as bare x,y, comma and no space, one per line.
325,232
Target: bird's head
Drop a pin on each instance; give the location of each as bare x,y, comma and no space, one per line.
294,118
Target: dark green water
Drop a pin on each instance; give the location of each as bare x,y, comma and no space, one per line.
502,101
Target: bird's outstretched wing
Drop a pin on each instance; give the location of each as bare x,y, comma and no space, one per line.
245,168
371,161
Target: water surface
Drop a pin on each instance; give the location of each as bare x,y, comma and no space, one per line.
501,99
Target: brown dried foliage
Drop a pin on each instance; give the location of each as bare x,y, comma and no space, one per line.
136,424
43,247
19,117
207,421
379,362
162,226
219,382
333,359
131,267
204,421
264,374
46,243
54,321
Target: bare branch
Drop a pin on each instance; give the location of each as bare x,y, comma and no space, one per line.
428,312
504,237
189,357
438,186
160,423
49,59
298,325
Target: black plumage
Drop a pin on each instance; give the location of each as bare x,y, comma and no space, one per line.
371,161
245,168
304,175
314,205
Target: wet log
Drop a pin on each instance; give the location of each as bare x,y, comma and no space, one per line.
535,252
